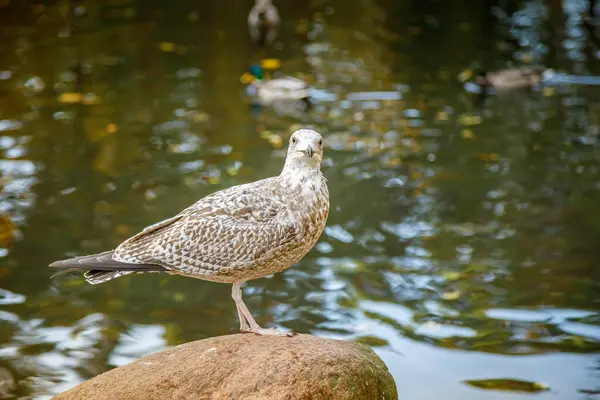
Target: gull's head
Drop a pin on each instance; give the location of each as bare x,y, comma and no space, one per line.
305,148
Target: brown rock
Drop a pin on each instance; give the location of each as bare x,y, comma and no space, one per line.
248,367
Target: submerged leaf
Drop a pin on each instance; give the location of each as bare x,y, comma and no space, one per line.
513,385
372,341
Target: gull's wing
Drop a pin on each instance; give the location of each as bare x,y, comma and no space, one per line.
232,228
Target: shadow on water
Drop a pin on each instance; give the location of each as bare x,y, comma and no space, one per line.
462,242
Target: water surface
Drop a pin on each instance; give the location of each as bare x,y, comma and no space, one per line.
462,242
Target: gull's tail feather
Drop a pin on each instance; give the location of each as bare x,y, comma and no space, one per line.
95,276
102,267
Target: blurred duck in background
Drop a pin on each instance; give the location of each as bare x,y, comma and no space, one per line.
513,78
280,89
263,22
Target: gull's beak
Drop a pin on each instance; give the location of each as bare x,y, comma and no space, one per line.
309,151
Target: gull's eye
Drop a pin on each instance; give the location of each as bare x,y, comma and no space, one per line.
320,142
293,140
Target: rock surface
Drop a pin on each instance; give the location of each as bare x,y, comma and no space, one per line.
248,367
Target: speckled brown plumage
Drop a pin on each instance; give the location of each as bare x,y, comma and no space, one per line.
233,235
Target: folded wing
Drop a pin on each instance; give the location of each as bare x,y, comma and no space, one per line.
230,229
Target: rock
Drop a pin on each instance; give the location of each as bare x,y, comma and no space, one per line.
248,367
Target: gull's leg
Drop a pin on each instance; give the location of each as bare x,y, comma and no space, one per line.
236,294
243,323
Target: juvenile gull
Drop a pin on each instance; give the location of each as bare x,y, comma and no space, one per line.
234,235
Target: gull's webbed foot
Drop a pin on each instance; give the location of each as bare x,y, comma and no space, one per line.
247,322
268,331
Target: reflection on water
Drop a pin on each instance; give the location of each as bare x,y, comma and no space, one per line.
462,239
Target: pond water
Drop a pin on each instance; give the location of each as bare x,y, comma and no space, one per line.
462,242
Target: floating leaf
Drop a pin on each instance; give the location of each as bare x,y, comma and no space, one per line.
468,134
451,275
441,116
111,128
179,297
549,91
513,385
199,116
7,230
527,58
392,162
266,134
190,181
589,392
69,98
150,195
294,127
276,141
466,74
469,120
488,156
174,148
167,46
232,171
123,230
452,295
213,180
301,27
